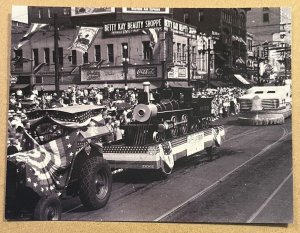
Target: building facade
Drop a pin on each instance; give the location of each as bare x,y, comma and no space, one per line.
155,50
88,16
230,24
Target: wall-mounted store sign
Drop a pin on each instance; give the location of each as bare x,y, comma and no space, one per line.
178,72
117,73
146,72
145,10
81,11
138,26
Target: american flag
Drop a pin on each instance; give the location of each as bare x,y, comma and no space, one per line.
47,165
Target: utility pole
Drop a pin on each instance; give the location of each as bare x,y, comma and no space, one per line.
208,65
188,61
285,61
56,54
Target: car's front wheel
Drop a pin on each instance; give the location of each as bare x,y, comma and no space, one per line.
96,183
48,208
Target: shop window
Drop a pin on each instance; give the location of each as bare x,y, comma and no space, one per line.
266,17
97,53
85,58
35,53
47,56
110,52
74,57
201,16
147,50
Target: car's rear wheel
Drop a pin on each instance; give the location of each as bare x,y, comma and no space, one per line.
96,183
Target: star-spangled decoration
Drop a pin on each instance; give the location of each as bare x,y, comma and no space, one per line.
42,174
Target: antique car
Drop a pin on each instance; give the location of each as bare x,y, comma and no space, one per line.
59,156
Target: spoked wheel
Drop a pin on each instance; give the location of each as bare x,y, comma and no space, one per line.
48,209
159,136
174,130
184,126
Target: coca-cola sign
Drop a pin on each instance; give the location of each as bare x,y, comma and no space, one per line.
146,72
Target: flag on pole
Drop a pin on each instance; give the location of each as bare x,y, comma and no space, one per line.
35,27
153,35
84,38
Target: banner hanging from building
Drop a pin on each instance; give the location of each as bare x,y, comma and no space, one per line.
84,39
34,28
138,26
145,10
82,11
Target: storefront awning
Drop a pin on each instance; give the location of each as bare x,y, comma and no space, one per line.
215,83
62,87
153,85
18,86
178,84
241,79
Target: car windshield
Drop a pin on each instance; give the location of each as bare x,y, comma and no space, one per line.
48,131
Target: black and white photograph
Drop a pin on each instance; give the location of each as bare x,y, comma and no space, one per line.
121,114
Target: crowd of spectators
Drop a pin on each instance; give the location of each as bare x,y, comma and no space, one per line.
225,100
119,105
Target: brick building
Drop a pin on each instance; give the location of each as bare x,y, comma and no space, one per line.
156,63
230,48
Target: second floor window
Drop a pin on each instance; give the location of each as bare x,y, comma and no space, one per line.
178,51
19,54
40,13
200,16
66,11
85,58
61,56
35,53
124,50
97,53
183,55
186,18
110,52
46,56
266,17
147,50
74,57
49,13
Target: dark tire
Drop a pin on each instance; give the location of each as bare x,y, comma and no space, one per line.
48,209
95,184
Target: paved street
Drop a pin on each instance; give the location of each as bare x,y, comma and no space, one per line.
249,180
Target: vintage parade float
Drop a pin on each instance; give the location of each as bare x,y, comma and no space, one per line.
266,105
66,152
